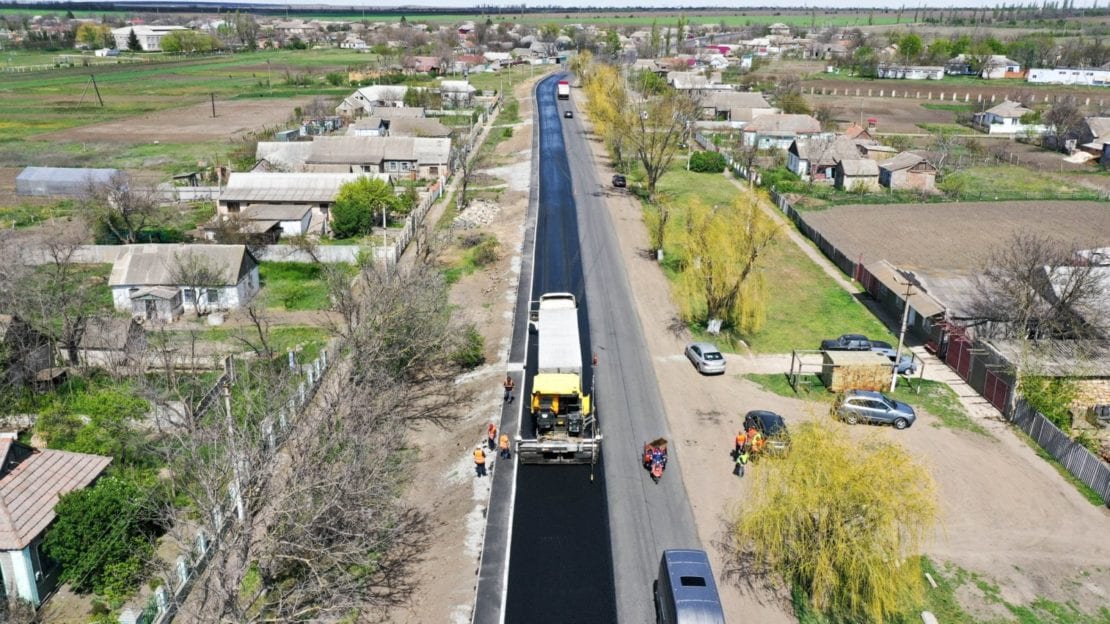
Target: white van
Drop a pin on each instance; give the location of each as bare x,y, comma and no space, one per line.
685,592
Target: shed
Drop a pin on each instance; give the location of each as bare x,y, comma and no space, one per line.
853,173
64,181
855,370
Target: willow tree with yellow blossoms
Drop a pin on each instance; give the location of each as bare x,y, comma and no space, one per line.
724,249
842,520
607,103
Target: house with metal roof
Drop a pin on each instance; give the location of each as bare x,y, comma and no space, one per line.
262,224
778,131
423,157
853,174
1005,118
61,181
908,171
155,281
401,127
31,483
735,106
315,190
816,158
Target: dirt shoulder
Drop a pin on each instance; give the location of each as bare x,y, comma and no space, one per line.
442,476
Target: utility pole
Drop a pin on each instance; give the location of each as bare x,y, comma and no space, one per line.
901,336
212,95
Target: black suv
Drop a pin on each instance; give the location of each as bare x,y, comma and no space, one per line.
771,425
619,181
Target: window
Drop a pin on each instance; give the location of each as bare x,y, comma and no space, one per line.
188,295
692,581
433,170
233,206
213,295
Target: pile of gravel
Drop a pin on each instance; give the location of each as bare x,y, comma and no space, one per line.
479,213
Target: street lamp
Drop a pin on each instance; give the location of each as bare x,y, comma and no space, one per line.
902,331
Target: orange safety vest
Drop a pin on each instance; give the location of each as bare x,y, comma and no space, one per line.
491,431
757,442
741,438
479,457
504,442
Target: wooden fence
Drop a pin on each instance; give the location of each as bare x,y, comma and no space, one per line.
1080,462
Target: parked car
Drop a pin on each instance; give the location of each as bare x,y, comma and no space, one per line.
685,591
772,426
706,358
619,181
568,114
847,342
856,406
906,364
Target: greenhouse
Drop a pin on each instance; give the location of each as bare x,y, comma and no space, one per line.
65,181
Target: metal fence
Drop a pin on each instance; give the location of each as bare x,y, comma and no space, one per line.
1080,462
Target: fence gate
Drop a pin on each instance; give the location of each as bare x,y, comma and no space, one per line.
997,391
958,356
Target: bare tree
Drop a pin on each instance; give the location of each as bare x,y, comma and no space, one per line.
1062,121
657,127
1033,287
197,273
122,209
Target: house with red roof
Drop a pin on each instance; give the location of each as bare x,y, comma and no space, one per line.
31,483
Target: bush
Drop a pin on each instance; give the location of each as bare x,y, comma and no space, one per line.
486,252
779,177
357,204
336,79
707,162
472,353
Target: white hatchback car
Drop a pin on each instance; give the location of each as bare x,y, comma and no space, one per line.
706,358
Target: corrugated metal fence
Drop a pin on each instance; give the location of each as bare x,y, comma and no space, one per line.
1078,460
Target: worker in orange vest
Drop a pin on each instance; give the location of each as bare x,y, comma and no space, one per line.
480,461
504,443
741,441
491,436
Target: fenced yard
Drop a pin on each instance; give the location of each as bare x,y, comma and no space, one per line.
1076,459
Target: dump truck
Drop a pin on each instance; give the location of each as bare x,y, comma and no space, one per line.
562,90
565,426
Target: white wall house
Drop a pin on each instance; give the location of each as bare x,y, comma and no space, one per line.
1005,118
162,271
150,37
31,481
1071,76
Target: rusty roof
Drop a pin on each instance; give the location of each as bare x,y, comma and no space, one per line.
29,491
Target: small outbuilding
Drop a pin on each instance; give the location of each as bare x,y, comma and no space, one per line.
60,181
857,173
908,171
855,370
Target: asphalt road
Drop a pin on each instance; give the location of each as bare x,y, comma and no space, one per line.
560,568
644,518
585,550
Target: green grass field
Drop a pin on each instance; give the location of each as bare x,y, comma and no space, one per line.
294,286
804,305
1008,182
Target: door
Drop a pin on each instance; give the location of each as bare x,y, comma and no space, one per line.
151,309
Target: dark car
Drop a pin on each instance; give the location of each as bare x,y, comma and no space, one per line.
619,181
857,406
847,342
569,114
771,425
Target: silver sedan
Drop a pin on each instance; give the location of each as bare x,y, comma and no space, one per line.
706,358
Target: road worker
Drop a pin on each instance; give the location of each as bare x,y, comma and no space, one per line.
509,386
504,443
491,436
757,443
741,441
480,461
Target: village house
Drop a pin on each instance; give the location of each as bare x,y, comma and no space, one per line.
402,127
263,224
23,351
150,37
735,106
1005,118
364,99
456,93
150,281
778,29
778,131
815,159
317,191
31,483
910,72
908,172
993,67
421,157
877,152
857,174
